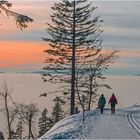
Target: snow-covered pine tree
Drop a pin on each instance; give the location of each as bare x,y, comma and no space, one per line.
44,123
57,113
73,32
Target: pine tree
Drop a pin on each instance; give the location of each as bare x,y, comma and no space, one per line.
58,113
19,129
1,135
73,32
44,123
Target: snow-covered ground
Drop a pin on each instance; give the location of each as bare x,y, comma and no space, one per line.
125,124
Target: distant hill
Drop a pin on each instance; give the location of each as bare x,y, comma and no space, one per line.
2,72
31,72
137,75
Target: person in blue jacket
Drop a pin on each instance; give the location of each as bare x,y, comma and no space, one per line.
101,103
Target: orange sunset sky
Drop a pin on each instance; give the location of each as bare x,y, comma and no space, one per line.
22,50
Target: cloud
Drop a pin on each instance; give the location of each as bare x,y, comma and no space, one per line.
121,23
130,53
121,26
39,11
17,53
23,36
129,62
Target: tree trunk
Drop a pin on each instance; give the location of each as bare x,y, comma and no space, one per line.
89,103
29,128
90,92
73,67
8,118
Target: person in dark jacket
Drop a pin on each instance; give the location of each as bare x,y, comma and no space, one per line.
113,101
101,103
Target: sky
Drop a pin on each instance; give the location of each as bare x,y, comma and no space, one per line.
22,50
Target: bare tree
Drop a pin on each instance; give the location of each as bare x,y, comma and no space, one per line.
90,78
10,112
29,113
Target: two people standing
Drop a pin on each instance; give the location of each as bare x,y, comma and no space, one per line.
112,102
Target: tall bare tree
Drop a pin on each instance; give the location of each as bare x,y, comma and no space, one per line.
74,29
10,112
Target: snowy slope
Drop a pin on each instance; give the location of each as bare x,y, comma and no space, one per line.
125,124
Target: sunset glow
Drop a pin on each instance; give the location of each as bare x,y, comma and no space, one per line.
23,49
16,53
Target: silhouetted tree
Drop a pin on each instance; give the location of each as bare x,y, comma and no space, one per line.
1,136
29,114
44,123
21,20
10,111
19,128
74,30
58,112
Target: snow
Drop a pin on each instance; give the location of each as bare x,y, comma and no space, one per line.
125,124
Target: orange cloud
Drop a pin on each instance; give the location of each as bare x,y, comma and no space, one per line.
127,53
131,53
15,53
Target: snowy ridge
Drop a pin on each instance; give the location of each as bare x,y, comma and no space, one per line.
68,128
125,124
